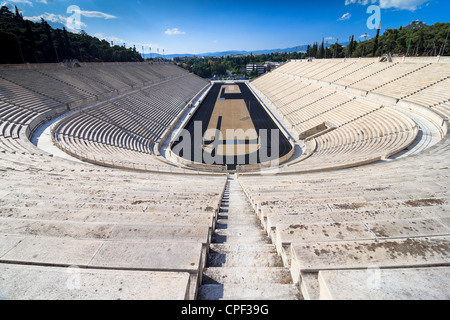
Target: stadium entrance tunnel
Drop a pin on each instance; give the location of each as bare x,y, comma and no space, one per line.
231,130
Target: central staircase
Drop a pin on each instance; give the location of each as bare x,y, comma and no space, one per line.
243,263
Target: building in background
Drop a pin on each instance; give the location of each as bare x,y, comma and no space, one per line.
260,68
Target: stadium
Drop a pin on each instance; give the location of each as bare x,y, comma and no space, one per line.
368,183
322,179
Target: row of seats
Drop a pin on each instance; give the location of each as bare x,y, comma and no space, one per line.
388,217
357,124
397,79
433,95
388,76
444,109
376,231
71,230
52,86
127,126
339,116
118,131
14,118
38,82
19,96
416,81
365,133
58,213
308,94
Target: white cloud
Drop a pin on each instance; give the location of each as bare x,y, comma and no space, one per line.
346,16
11,3
96,14
174,31
361,2
411,5
68,21
22,1
55,18
116,40
47,17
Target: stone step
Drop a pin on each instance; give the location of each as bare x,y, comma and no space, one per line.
309,286
237,275
239,212
231,256
351,216
389,253
247,220
343,207
106,254
92,230
22,282
232,226
251,224
248,292
242,247
286,234
167,216
240,201
386,284
224,235
242,263
239,207
169,233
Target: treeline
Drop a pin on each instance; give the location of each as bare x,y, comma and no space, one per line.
218,66
423,41
412,42
26,41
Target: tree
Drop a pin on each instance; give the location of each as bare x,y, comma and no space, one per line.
59,45
13,54
375,47
39,42
4,11
322,50
351,46
308,51
31,54
68,50
51,50
18,17
337,50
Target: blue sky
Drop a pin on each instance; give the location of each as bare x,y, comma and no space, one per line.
207,26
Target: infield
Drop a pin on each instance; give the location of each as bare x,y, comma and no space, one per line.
235,130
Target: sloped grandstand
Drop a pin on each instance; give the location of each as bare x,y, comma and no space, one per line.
360,210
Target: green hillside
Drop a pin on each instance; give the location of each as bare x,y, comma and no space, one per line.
409,41
25,41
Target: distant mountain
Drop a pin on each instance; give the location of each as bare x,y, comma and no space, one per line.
415,24
233,52
227,53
